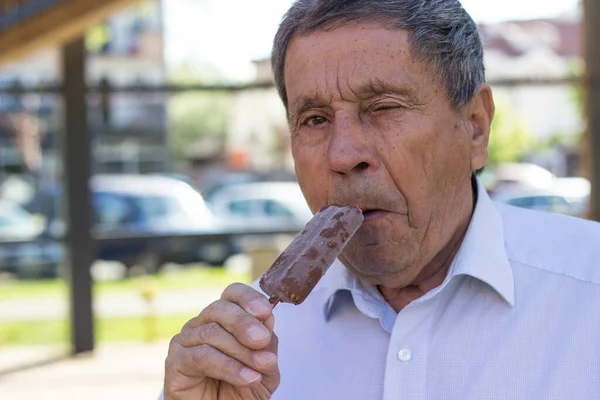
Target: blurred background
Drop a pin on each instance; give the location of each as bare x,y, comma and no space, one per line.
145,164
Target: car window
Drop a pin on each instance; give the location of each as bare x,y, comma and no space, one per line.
558,201
543,201
154,208
526,202
112,211
241,207
275,208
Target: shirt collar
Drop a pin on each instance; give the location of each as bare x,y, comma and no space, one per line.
482,255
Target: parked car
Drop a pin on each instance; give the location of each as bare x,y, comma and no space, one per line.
546,200
261,206
153,205
511,177
19,253
145,206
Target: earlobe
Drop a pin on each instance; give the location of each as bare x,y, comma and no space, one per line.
481,115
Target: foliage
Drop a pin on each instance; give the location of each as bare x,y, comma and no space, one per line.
509,137
194,116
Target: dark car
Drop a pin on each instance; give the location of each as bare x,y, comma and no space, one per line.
142,206
19,254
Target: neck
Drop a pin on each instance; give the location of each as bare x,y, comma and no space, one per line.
434,273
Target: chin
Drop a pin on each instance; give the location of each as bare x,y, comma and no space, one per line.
373,263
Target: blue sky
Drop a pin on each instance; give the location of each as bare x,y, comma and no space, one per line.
230,33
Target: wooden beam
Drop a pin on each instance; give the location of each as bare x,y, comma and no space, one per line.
592,57
5,4
56,26
76,154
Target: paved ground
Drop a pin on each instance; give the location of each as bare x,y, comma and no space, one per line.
113,372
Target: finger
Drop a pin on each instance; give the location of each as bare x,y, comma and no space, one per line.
269,323
271,376
205,360
252,301
247,329
216,336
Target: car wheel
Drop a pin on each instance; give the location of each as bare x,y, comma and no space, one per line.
215,254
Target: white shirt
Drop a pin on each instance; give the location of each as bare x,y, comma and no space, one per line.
517,317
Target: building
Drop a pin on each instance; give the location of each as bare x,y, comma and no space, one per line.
547,49
258,131
129,130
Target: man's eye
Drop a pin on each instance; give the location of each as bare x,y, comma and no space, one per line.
384,107
315,120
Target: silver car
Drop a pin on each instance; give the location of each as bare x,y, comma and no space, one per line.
261,206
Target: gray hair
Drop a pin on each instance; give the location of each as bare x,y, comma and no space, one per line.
441,33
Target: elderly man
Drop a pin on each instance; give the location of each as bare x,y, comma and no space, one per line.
441,294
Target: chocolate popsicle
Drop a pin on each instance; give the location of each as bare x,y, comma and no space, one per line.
299,268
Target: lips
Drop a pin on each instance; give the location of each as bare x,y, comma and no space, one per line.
367,212
374,213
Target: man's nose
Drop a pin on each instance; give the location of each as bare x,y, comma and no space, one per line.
351,146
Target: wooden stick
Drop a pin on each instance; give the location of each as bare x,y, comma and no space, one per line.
274,300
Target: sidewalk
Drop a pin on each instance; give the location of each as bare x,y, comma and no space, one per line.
113,372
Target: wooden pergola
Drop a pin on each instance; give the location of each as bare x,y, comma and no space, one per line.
31,25
64,22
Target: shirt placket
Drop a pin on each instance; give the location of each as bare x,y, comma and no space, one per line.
406,363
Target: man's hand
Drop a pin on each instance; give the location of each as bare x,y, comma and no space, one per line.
227,352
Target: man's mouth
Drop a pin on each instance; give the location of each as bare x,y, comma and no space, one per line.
373,214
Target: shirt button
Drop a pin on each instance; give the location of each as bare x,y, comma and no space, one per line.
404,355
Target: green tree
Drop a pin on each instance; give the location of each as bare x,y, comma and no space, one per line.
194,116
509,137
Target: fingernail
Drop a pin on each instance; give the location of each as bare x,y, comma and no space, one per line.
259,307
258,333
249,375
264,358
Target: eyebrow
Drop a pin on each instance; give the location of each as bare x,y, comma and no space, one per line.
378,87
304,103
365,91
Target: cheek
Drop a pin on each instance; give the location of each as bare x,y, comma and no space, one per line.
312,174
409,155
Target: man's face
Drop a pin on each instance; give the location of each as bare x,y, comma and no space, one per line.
372,127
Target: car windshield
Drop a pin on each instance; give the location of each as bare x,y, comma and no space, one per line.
160,207
191,203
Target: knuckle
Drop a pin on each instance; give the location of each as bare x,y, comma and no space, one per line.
212,312
175,342
202,351
175,357
209,332
230,366
190,324
235,287
200,356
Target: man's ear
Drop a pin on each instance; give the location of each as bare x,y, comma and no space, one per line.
480,113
